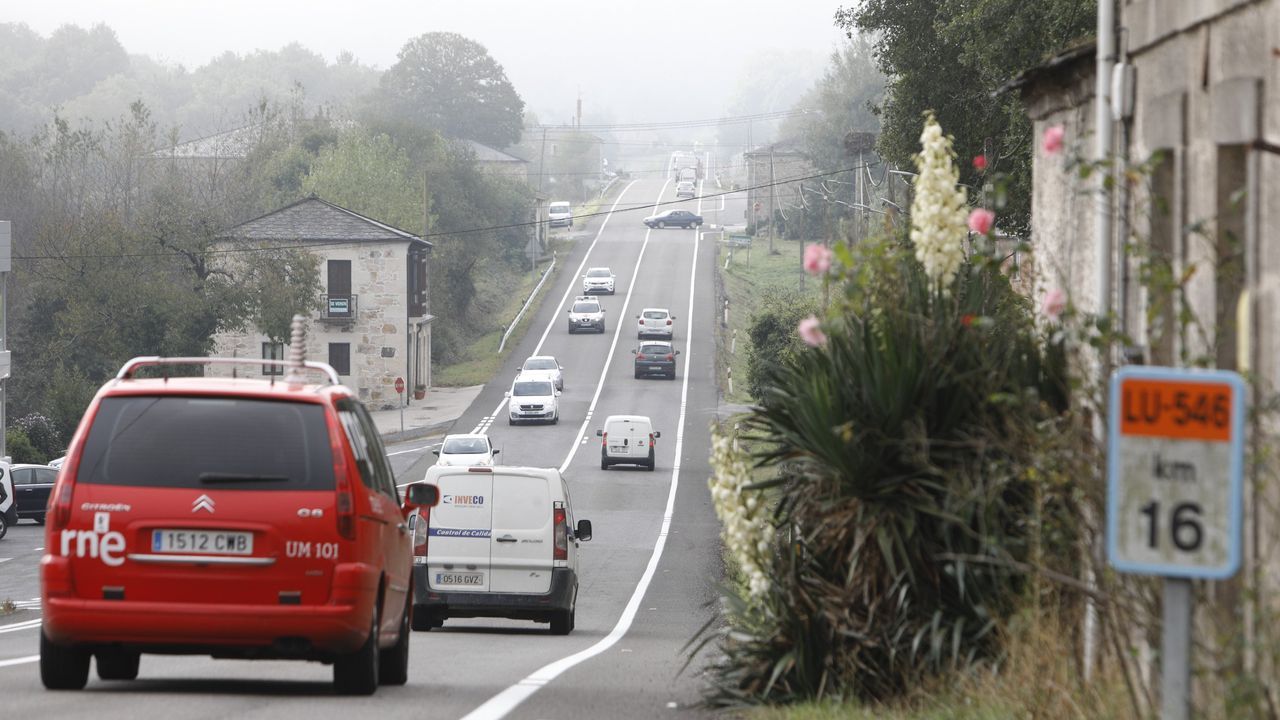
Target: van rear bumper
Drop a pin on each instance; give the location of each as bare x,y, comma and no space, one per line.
516,606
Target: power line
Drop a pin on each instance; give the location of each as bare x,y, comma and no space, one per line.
664,125
445,233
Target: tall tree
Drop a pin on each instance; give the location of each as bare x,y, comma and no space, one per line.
451,83
949,56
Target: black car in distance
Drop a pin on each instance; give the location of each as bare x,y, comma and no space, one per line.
655,358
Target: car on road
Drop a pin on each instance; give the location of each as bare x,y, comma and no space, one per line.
533,398
465,451
685,189
560,214
598,280
654,322
231,517
655,357
543,366
8,501
586,314
501,543
32,485
674,218
628,440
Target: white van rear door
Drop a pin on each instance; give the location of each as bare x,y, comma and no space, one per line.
522,547
459,531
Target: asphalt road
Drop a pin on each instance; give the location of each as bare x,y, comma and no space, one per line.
648,577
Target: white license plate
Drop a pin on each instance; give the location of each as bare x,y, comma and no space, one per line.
202,542
459,578
617,448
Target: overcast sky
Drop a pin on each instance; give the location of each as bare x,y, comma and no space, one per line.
678,58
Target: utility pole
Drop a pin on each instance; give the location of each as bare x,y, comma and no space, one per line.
773,192
6,247
542,160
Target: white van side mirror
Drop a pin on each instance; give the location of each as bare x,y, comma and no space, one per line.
599,433
657,434
583,531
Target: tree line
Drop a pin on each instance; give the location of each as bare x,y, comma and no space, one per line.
114,240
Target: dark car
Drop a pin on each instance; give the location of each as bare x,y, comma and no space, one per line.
31,485
674,218
655,358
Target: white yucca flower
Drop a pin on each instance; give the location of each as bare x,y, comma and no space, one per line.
939,212
745,519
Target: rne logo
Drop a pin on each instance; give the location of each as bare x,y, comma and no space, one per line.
100,542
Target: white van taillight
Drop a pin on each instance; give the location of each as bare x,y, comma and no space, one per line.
604,439
650,439
420,533
561,532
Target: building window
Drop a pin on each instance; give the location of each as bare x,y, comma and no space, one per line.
340,357
272,351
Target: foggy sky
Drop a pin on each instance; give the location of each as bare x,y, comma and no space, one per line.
632,61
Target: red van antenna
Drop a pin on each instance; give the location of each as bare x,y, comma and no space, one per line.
297,350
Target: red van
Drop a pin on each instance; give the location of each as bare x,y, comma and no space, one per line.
236,518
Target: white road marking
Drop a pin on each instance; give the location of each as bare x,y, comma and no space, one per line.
20,661
398,452
5,560
503,703
487,422
24,625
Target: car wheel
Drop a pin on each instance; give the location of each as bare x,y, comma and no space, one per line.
118,664
637,374
570,328
393,663
562,622
650,464
4,526
39,519
62,667
662,226
604,461
356,673
420,621
511,421
556,420
601,328
672,376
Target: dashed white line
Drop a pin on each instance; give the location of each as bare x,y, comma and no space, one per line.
19,661
398,452
24,625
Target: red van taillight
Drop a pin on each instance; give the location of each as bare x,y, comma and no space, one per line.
58,511
345,510
562,532
604,439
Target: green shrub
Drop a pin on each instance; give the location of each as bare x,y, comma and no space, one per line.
43,434
904,454
19,447
773,335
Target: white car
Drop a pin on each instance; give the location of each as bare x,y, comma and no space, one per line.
503,543
654,322
465,451
560,214
543,366
598,280
533,399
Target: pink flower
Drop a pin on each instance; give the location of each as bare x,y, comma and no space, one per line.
810,332
1053,304
981,220
817,260
979,162
1051,142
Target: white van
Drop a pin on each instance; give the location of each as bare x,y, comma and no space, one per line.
627,440
560,215
502,542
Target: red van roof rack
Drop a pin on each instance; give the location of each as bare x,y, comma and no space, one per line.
130,368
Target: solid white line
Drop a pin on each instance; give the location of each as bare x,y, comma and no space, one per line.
504,702
4,560
417,449
19,661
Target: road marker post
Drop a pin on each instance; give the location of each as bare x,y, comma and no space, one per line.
1175,461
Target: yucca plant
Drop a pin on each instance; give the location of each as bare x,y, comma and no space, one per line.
902,452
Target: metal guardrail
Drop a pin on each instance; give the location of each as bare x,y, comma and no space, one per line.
546,274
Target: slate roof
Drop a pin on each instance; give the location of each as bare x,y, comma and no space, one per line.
313,219
234,143
486,154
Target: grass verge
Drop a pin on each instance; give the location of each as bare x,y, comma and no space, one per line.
749,273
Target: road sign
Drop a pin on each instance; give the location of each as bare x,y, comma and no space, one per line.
400,385
1175,462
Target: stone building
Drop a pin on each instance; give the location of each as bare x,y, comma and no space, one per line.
1195,151
371,322
493,161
